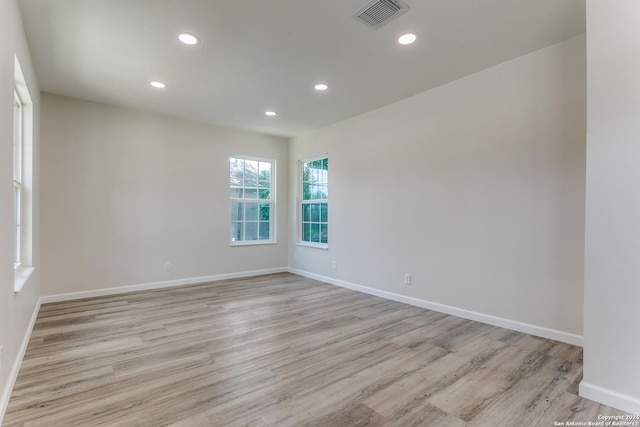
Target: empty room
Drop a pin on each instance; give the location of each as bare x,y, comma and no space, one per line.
319,213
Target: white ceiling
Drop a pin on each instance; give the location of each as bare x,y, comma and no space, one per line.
257,54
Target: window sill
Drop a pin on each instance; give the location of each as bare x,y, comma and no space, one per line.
313,245
21,277
253,243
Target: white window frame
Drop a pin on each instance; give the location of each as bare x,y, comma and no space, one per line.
18,179
248,197
302,202
23,171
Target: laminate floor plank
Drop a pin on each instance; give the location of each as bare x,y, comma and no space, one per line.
283,350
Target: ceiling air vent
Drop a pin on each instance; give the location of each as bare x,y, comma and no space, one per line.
376,13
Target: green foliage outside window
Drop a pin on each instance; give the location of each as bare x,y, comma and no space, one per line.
251,199
315,206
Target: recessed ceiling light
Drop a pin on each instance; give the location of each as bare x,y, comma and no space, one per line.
158,85
407,38
187,38
270,113
321,86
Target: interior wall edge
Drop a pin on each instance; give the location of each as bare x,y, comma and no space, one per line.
609,397
15,369
540,331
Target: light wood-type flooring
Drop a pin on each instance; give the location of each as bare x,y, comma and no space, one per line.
282,350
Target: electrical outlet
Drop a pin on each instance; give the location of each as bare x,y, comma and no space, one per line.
167,265
334,264
407,279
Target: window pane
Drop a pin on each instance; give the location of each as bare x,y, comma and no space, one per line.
265,230
250,193
317,172
264,194
264,173
323,191
265,212
251,230
306,232
315,212
17,138
322,177
236,192
323,233
314,190
16,223
251,173
236,232
236,172
312,173
306,191
306,212
315,232
237,211
324,214
251,211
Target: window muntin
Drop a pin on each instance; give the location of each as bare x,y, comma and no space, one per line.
314,209
251,183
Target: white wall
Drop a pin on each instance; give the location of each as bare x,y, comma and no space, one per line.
612,252
16,310
475,188
124,191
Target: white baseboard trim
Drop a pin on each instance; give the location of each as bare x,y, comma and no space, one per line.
527,328
13,375
156,285
610,398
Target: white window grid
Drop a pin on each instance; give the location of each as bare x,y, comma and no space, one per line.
252,190
314,205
